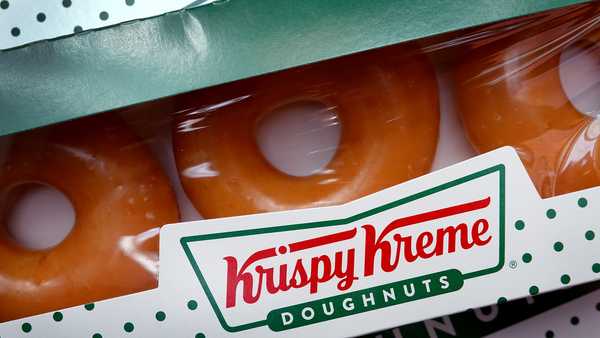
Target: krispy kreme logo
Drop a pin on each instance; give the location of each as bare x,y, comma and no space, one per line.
397,253
387,249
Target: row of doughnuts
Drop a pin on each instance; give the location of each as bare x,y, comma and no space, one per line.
508,93
121,195
387,104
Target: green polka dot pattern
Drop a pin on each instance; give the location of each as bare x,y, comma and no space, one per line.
534,290
558,246
26,327
574,320
57,316
589,235
192,305
519,225
128,327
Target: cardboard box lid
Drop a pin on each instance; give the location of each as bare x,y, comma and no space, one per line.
53,81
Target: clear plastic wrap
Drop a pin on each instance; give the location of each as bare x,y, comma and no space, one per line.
217,135
534,85
317,135
120,196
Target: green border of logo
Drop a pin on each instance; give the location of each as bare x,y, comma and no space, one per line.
500,168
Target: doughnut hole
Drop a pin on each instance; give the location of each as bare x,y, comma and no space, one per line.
299,138
580,76
579,73
37,216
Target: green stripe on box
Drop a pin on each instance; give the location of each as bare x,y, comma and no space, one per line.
369,299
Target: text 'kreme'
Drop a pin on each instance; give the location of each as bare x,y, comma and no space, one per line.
386,249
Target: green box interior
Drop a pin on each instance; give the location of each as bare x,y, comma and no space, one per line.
57,80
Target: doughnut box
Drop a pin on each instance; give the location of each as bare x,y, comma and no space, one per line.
292,169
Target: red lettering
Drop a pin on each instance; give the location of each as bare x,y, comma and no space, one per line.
477,232
427,244
373,245
347,276
383,251
424,240
320,270
450,233
234,278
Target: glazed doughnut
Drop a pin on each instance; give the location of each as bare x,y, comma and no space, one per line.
388,110
120,196
510,93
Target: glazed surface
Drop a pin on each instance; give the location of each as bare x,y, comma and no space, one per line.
386,103
120,196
